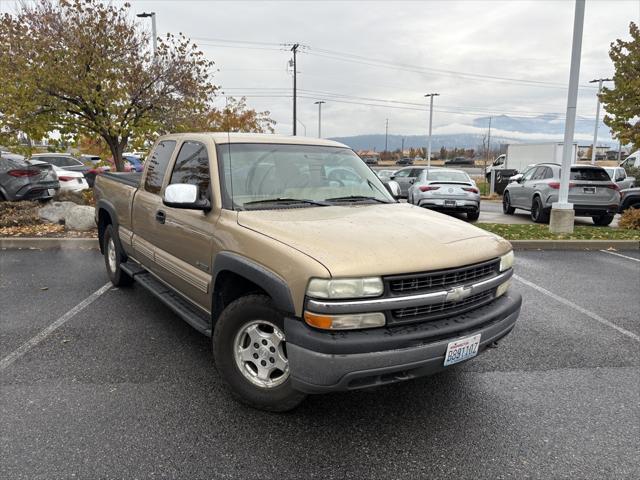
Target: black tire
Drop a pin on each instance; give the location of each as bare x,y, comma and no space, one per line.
507,209
117,276
234,318
603,220
473,216
538,214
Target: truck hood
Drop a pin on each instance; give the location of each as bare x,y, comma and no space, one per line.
377,239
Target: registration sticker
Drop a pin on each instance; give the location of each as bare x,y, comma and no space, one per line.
462,349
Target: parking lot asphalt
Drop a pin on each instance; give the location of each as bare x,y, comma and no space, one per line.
125,389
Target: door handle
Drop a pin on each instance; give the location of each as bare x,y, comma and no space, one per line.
160,216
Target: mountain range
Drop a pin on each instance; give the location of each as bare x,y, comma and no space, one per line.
504,129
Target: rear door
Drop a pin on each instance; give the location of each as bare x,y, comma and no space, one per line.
184,248
402,178
148,209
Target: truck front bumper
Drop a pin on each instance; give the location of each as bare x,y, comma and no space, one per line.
336,361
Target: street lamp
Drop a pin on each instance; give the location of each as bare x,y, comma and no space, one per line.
430,95
319,103
153,28
595,131
303,126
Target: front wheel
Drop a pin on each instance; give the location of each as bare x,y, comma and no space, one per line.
507,209
603,220
250,352
113,257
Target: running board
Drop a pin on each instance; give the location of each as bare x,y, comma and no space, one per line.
191,314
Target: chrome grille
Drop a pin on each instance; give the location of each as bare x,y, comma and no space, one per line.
442,279
444,309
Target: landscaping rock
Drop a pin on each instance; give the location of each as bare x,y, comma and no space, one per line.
80,218
55,212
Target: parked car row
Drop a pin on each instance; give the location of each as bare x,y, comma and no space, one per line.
44,174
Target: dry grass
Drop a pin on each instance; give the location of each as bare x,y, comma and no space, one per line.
17,214
630,219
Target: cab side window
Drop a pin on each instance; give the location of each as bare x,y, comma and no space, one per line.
528,174
192,167
157,165
402,173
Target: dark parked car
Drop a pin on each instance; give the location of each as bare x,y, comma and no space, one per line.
459,161
405,161
22,181
629,198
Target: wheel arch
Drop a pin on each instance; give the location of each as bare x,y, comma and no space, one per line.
106,215
235,276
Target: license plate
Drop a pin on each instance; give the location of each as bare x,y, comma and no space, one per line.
51,191
461,350
449,203
589,189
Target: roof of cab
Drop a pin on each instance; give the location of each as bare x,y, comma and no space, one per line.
224,137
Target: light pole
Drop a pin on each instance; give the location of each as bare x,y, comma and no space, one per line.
595,130
430,95
386,133
319,103
562,214
153,29
294,49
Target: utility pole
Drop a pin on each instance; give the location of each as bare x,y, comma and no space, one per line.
595,131
319,103
562,214
153,29
430,95
294,49
402,151
489,141
386,134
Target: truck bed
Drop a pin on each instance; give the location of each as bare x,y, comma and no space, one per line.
128,178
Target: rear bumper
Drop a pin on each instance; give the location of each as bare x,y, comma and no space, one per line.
438,204
324,362
37,191
593,210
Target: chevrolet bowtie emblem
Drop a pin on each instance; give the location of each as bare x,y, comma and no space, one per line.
457,294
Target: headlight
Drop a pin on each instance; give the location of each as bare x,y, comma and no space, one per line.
506,261
345,322
345,287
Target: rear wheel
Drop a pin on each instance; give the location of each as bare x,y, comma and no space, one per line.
250,354
473,216
507,209
538,214
603,220
113,256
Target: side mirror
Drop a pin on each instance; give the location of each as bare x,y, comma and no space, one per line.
393,188
412,181
184,195
392,177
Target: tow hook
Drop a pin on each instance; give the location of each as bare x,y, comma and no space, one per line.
493,345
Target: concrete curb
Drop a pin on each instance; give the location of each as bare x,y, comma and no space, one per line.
18,243
575,244
30,243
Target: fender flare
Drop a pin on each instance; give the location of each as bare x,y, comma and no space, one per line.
111,210
271,282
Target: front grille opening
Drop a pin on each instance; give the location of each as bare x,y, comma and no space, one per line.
443,279
440,310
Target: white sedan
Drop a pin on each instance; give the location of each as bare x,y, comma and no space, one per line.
69,181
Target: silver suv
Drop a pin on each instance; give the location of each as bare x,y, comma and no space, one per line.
591,192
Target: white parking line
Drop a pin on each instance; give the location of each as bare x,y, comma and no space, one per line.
580,309
620,255
29,344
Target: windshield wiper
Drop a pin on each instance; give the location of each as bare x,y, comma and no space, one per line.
355,198
288,201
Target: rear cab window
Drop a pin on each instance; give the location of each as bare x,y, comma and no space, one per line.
157,166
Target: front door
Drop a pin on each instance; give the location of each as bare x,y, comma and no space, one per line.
184,250
519,191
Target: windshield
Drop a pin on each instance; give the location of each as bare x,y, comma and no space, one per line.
445,176
597,174
266,175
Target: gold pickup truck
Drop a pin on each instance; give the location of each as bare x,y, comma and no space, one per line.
306,272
